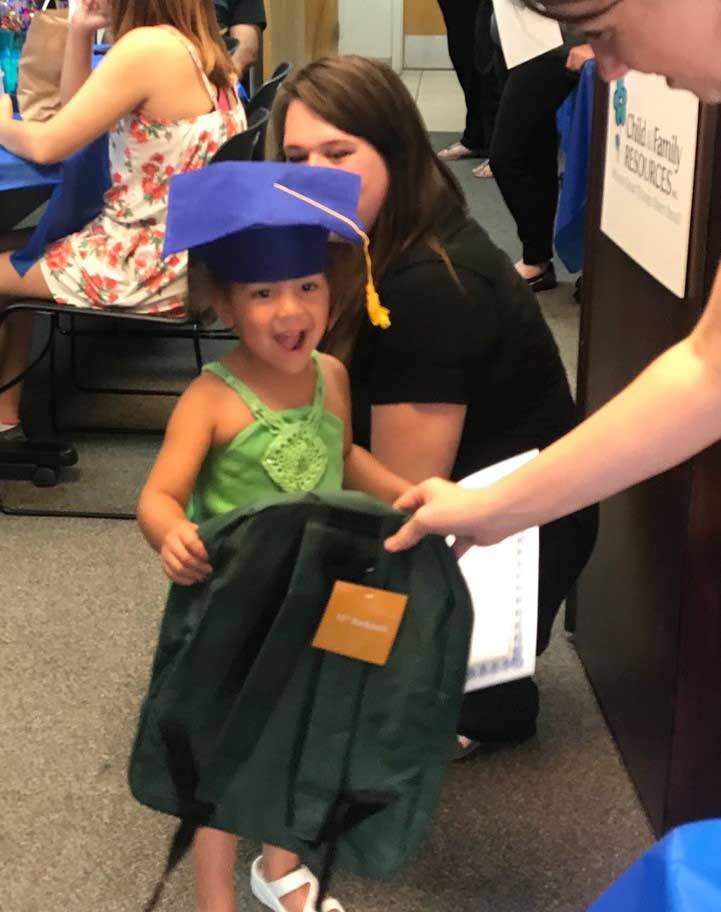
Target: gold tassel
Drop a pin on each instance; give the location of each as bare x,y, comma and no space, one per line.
377,313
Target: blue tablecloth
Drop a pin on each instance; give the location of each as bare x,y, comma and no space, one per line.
574,124
16,173
681,873
75,201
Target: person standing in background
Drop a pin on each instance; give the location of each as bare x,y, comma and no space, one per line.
469,46
524,150
244,21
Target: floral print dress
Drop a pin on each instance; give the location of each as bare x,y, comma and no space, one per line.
116,261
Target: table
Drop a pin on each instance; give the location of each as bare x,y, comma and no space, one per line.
23,184
17,173
76,199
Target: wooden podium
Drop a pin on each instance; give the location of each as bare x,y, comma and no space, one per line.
649,604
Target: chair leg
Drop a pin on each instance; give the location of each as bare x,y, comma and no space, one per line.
82,387
23,374
41,463
196,349
53,388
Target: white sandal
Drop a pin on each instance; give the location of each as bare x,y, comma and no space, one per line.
270,892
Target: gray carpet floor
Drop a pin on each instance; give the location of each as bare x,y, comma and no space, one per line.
542,826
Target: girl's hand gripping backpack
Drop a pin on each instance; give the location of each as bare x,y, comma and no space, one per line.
250,728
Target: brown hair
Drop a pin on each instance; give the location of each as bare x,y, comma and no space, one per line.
365,98
195,19
203,289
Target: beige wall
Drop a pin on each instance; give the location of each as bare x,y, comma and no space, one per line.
321,27
298,31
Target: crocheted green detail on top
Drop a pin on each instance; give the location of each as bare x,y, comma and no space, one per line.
296,458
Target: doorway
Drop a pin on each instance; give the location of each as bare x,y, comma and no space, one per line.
424,36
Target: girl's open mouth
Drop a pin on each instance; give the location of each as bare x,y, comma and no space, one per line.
291,341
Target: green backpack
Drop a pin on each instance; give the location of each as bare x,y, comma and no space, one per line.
249,728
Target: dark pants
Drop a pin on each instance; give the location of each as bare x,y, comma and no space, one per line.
508,711
467,25
524,149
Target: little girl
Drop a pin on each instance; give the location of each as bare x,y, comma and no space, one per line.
272,415
165,91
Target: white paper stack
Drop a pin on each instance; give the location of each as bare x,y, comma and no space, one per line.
503,582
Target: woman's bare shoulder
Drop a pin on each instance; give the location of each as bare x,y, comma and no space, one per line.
163,46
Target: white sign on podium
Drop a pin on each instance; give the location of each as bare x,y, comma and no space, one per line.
649,177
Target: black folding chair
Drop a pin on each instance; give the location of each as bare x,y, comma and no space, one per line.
263,99
244,146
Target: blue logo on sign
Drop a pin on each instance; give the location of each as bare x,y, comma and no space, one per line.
620,102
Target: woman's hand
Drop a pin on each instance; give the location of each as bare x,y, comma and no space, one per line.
89,15
442,508
6,107
183,556
577,56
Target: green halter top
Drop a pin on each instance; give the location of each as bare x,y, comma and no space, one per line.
294,449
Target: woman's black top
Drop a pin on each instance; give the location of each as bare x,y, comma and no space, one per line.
479,340
240,12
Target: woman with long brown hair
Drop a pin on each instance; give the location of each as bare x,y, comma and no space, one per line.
165,92
467,373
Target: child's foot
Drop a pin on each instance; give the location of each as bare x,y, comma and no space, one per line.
295,892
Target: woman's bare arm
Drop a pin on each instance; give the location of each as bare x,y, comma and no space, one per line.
670,412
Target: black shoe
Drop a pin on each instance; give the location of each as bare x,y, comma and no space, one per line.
544,281
462,752
578,290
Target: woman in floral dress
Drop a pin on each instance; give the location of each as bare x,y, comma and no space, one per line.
165,93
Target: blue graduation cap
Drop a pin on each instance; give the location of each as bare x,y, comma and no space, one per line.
266,221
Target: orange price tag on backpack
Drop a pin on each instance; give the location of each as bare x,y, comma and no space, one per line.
360,622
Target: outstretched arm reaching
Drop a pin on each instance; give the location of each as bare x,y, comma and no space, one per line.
670,412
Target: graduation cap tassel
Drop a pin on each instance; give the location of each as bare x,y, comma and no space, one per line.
377,313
